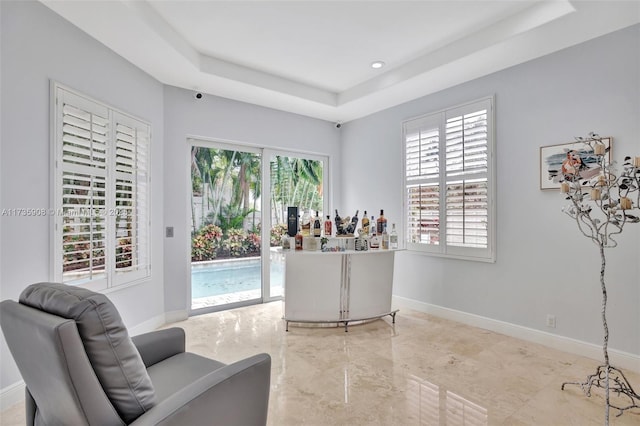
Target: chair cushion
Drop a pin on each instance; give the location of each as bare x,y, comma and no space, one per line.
112,354
179,371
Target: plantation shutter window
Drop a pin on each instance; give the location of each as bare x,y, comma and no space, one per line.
466,175
131,153
449,182
422,155
101,187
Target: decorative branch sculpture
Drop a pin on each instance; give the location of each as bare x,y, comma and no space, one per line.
601,207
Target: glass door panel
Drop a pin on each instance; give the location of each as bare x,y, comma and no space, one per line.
296,180
225,226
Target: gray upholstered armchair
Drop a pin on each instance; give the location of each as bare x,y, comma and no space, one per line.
81,367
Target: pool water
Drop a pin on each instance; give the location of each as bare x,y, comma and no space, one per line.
224,277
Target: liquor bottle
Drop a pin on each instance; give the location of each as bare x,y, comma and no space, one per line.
393,237
382,223
338,221
298,240
317,226
385,240
327,227
292,221
286,242
374,240
351,228
365,224
306,224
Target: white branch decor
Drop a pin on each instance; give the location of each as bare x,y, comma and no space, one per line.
601,207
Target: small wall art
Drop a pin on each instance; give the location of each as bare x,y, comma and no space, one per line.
571,158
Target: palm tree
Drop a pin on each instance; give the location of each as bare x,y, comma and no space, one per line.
224,161
201,160
296,182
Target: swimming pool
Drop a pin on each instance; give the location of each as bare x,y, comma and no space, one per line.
220,277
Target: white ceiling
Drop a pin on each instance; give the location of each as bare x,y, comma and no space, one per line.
313,57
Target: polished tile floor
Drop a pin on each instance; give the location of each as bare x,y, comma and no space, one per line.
421,371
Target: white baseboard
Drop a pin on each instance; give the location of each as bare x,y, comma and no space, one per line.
11,395
618,358
148,325
175,316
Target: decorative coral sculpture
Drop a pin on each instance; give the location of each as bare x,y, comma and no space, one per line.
602,206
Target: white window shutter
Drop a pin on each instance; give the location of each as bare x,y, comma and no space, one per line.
130,198
448,182
467,144
101,193
422,171
83,135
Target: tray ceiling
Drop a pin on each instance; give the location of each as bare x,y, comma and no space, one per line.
313,57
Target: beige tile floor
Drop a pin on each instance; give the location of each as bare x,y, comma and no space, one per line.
421,371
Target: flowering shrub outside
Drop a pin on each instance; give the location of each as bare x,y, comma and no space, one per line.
276,234
210,242
206,243
253,243
235,243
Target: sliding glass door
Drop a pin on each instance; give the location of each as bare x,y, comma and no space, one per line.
239,199
225,226
295,180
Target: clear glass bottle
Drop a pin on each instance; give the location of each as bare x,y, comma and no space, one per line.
393,237
385,240
306,224
286,242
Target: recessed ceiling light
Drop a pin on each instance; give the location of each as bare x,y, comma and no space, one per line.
377,64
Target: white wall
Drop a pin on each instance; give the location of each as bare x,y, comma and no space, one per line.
223,119
544,264
38,45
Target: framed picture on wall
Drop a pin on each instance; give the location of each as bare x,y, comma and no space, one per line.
574,157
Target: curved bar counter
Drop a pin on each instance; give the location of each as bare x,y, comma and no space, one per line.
338,287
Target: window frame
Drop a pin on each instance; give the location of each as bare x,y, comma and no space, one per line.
138,223
439,119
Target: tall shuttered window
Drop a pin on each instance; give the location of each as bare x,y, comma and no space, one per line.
101,193
449,181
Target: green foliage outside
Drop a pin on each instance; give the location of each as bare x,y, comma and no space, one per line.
212,243
229,183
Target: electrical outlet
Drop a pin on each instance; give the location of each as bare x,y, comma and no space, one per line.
169,232
551,321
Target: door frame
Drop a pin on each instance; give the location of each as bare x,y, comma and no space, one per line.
266,153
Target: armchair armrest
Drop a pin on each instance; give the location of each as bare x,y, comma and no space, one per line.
159,345
236,394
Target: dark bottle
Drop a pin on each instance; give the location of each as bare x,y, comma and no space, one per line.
382,223
338,221
351,228
317,226
292,223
